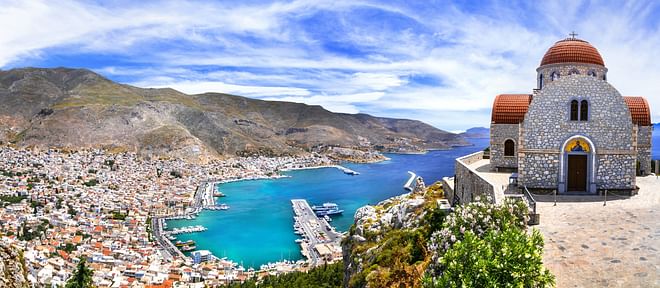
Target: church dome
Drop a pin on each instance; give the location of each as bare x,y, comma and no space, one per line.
572,50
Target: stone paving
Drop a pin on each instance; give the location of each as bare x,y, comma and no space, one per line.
591,245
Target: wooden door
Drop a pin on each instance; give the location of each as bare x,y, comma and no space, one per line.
577,173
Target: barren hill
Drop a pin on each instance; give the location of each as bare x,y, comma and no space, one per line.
77,108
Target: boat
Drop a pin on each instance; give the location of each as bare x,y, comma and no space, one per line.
327,218
325,206
299,240
183,244
171,238
188,248
327,209
223,206
219,194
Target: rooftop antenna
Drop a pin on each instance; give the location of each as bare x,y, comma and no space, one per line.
573,34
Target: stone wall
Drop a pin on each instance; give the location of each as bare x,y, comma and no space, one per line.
539,170
468,184
644,136
498,134
547,126
617,171
565,69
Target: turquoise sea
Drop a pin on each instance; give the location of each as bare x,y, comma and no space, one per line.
259,226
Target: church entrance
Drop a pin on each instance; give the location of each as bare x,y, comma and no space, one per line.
577,173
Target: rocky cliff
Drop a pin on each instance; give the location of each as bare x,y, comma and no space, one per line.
386,247
78,108
13,273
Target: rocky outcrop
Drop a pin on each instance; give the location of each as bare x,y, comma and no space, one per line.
386,229
13,273
77,108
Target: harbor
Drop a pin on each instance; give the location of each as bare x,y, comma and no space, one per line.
320,242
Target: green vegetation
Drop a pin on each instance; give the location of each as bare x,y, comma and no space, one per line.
479,244
325,276
118,216
91,182
486,245
81,277
510,258
12,199
27,233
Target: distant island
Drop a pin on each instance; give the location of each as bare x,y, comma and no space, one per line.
77,108
476,133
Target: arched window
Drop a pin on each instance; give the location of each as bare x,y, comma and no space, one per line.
592,73
584,110
574,110
554,76
509,148
574,71
540,81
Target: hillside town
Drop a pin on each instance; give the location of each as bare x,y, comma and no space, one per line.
59,207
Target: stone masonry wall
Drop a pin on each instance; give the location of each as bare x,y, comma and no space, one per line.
547,126
468,184
544,168
620,171
565,69
644,136
498,134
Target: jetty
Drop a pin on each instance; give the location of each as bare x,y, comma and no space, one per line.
320,243
411,183
347,171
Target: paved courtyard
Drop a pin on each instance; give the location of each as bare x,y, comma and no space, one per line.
591,245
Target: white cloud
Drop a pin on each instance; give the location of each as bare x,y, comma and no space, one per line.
274,54
198,87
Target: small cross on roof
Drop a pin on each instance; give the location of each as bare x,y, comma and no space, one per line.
573,34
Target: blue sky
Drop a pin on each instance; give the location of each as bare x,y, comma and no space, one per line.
441,62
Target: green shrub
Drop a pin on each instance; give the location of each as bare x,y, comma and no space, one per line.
509,258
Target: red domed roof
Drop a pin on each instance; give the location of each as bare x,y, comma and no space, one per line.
510,108
572,50
639,110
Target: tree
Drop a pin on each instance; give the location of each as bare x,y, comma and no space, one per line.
81,277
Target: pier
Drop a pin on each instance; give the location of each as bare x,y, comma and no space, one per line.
347,171
411,183
321,243
166,244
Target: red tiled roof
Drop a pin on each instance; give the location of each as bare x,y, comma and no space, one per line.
510,108
639,110
572,50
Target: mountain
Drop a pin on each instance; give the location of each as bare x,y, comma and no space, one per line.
77,108
476,133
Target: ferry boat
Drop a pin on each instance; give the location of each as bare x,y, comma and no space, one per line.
188,248
183,244
327,209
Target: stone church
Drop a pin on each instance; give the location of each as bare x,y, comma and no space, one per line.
575,133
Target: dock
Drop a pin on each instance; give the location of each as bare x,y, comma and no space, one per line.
347,171
410,184
320,243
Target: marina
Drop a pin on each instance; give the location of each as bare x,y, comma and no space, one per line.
320,242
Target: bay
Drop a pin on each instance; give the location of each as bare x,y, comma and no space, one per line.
258,228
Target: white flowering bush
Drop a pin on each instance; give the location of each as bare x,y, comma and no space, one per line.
485,245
